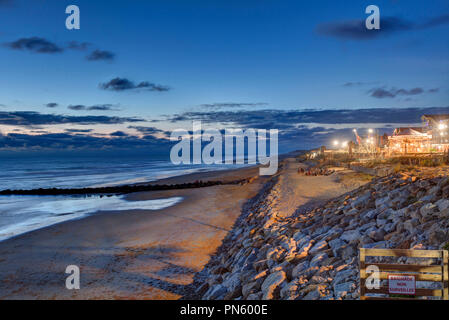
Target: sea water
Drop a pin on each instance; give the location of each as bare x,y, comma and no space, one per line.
20,214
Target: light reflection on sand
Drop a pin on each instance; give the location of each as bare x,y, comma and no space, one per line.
20,214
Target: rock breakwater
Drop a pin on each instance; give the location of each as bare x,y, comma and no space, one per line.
314,255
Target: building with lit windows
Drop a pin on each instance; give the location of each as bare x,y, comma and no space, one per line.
409,140
438,125
432,137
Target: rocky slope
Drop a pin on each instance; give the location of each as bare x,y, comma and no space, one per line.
314,255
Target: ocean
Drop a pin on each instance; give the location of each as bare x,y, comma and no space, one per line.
20,214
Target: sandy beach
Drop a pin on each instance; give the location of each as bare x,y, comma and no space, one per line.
136,254
143,254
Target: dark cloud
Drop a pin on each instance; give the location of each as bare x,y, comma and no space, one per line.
102,107
294,131
146,130
232,105
150,131
78,130
40,131
381,93
41,45
98,55
411,92
51,105
123,84
77,107
31,118
65,141
356,29
119,134
34,44
75,45
276,119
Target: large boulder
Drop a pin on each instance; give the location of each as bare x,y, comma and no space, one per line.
290,290
443,204
336,243
377,235
250,288
275,254
438,237
272,285
362,200
304,246
350,235
300,268
410,225
344,275
428,209
314,292
318,259
233,285
298,236
217,292
343,289
319,246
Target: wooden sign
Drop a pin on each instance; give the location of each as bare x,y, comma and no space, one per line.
402,277
401,284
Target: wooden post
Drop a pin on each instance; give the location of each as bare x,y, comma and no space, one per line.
445,275
362,267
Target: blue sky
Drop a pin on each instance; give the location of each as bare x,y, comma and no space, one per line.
218,56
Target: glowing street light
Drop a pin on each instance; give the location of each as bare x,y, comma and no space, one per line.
370,130
335,142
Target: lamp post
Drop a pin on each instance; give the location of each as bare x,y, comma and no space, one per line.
442,127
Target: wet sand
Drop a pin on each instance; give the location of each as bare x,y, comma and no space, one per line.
135,254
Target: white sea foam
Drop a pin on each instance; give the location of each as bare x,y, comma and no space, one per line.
20,214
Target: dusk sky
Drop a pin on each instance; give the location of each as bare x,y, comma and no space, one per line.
136,69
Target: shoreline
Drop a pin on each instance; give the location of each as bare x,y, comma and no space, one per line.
198,179
175,243
181,182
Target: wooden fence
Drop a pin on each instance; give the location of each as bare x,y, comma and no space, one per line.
433,272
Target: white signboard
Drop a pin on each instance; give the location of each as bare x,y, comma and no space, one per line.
398,284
